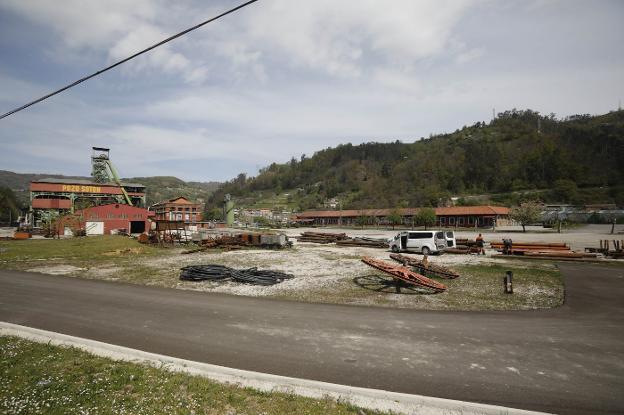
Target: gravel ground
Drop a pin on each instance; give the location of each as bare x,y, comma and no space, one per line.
316,267
578,238
319,267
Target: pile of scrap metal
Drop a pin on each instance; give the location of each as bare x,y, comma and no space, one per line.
539,250
239,240
213,272
363,241
405,275
321,237
616,253
425,267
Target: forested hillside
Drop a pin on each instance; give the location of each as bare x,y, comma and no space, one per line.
520,154
157,188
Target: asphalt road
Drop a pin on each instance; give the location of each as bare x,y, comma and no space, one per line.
566,360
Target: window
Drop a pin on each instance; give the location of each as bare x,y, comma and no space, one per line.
451,221
420,235
442,220
440,235
460,221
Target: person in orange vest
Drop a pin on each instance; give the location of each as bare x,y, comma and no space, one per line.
480,245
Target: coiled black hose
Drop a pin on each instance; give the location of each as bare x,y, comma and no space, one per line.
204,272
215,272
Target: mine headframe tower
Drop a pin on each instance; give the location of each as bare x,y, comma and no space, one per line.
103,171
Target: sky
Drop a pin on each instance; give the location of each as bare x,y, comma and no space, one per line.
282,78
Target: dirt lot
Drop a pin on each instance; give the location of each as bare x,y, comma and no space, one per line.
323,273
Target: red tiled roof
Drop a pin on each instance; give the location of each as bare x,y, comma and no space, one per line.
447,211
472,210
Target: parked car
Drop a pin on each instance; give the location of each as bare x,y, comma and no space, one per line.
424,242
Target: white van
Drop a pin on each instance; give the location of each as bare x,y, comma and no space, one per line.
424,242
450,239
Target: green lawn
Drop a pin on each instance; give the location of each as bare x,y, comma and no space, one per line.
92,248
43,379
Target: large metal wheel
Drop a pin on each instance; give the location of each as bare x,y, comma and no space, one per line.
395,249
426,250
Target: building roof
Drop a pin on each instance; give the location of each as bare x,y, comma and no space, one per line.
83,182
444,211
180,200
472,210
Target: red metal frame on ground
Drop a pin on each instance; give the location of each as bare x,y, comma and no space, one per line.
404,274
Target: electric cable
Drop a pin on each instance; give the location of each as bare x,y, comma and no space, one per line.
214,272
81,80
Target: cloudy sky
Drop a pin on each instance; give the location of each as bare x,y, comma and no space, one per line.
281,78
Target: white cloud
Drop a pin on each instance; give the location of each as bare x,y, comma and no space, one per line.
338,38
470,55
342,38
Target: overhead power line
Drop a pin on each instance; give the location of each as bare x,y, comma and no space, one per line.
169,39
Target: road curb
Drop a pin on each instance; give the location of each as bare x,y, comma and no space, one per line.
374,399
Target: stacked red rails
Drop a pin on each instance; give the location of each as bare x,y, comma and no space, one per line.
404,274
425,267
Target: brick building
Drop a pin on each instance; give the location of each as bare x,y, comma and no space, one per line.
101,220
178,209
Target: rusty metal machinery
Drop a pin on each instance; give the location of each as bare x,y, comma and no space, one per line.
425,267
404,274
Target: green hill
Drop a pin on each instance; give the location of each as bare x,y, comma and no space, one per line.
519,155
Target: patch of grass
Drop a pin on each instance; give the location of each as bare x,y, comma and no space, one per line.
85,248
40,378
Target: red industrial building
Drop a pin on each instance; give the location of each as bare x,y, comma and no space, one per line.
63,195
101,220
178,209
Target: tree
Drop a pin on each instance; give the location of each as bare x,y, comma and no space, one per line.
565,190
9,207
426,217
213,214
394,218
362,220
526,214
